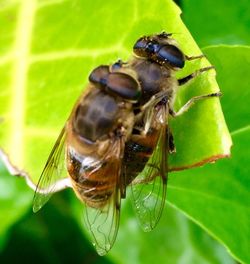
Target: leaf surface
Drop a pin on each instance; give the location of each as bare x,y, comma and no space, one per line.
221,22
217,196
50,49
15,199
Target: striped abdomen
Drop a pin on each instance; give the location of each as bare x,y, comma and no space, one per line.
93,181
137,152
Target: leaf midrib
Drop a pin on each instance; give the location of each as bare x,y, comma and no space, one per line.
19,78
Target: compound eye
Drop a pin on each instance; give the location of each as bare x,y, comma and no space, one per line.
171,55
152,47
123,85
140,47
99,75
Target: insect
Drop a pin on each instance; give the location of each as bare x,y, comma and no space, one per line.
118,136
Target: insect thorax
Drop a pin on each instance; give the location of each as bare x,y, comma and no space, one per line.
153,78
96,115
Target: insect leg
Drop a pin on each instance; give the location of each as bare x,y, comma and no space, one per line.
193,75
153,101
171,145
189,103
194,57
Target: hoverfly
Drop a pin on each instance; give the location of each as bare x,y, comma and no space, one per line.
118,136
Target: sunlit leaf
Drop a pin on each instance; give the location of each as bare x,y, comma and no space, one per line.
217,196
176,239
48,52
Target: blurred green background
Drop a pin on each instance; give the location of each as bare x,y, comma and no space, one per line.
207,215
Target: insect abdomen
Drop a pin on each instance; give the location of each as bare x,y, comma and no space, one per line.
88,178
137,152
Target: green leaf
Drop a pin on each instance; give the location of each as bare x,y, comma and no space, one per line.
39,236
220,22
50,236
15,199
175,240
217,196
48,53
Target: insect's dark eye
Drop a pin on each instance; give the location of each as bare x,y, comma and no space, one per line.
140,47
170,54
152,47
145,47
99,75
123,85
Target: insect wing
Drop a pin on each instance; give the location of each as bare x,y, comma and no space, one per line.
54,175
103,223
149,187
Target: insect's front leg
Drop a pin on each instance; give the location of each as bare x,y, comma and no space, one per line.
189,58
190,102
186,79
191,76
148,106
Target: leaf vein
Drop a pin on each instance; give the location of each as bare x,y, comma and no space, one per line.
75,53
207,195
240,130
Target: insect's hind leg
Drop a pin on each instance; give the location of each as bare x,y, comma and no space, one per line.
189,103
193,75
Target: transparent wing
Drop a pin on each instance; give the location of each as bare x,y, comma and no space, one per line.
149,187
103,223
54,175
